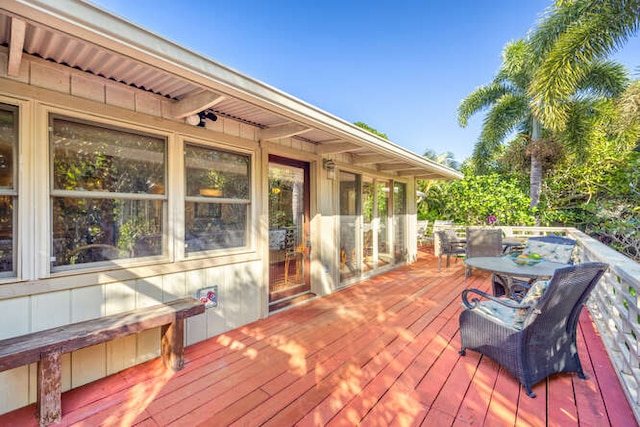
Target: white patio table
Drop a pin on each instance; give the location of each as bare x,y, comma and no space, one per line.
507,269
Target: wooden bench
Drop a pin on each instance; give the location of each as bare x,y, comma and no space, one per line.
46,347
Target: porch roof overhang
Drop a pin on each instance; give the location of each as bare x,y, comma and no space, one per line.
87,38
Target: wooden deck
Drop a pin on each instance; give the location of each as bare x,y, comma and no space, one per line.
383,352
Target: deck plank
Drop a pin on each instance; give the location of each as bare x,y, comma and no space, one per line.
380,353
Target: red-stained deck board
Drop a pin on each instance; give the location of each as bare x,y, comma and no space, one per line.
380,378
380,353
400,399
562,404
615,402
504,401
591,411
529,410
478,396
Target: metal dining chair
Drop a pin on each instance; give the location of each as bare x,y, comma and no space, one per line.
444,246
482,242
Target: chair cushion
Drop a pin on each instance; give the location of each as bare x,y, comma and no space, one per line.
531,298
550,251
498,312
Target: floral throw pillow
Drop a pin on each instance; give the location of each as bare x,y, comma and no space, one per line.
531,298
550,251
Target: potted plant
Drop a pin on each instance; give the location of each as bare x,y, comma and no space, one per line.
214,182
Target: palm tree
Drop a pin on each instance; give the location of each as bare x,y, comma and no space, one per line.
509,105
446,159
572,35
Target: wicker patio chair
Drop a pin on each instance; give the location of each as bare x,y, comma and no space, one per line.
563,246
535,338
482,242
444,246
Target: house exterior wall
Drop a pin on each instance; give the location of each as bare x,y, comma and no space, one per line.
38,299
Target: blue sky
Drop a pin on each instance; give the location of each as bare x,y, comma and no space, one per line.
401,67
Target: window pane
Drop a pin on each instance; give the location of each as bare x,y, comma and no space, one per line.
212,226
8,198
8,141
216,173
6,234
93,158
93,230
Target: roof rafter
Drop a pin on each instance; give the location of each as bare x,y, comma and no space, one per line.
368,159
194,104
409,172
18,32
283,131
393,166
336,147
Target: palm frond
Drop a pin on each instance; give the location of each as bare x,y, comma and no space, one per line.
554,22
604,79
517,64
505,116
480,99
598,31
577,134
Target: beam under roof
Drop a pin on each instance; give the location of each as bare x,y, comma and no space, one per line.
369,159
194,104
336,147
18,31
283,131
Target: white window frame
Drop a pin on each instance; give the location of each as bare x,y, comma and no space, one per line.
43,173
180,249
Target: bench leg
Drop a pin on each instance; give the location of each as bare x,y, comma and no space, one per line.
49,404
173,345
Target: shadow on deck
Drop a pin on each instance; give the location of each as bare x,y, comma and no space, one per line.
383,352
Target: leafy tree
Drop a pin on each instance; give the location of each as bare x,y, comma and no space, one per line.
372,130
474,198
600,196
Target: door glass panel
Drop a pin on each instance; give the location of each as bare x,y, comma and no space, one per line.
349,214
384,249
367,224
287,231
399,221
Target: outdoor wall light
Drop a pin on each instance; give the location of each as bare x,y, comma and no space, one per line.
192,120
199,119
206,115
330,166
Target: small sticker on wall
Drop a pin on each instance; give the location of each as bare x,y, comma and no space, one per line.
208,296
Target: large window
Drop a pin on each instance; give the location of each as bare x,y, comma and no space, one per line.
8,188
217,199
108,193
